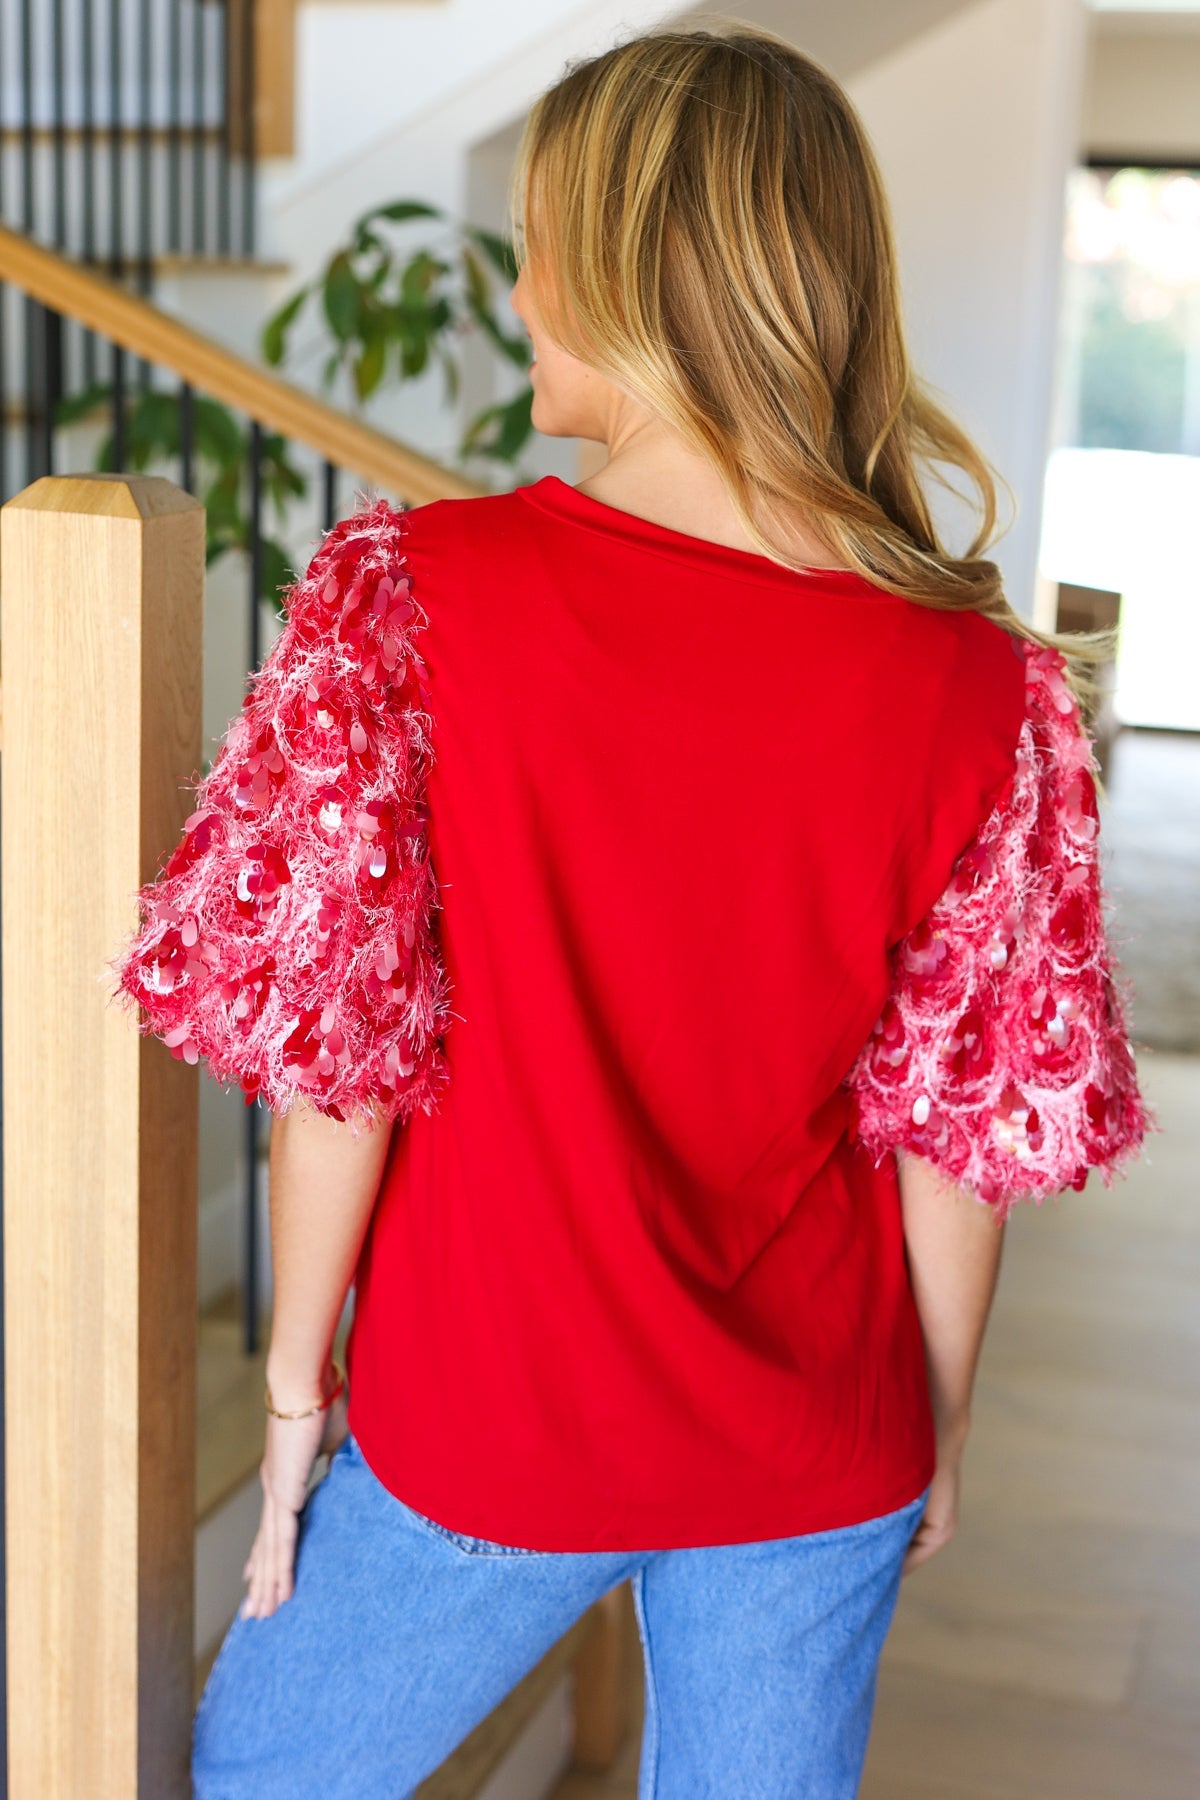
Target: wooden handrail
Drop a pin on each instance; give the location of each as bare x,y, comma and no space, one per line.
137,325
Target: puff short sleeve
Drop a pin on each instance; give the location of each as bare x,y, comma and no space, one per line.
290,936
1002,1055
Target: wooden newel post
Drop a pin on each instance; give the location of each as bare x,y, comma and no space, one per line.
101,581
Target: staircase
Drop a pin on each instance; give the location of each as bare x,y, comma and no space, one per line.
128,194
186,367
140,148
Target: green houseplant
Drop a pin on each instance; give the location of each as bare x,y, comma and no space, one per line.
383,311
383,315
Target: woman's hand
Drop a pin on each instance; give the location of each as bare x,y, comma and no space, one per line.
324,1179
939,1521
292,1448
953,1246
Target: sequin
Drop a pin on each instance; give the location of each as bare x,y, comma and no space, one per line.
199,838
246,994
1002,1053
887,1039
964,1050
260,881
290,937
261,771
330,811
925,951
376,856
181,1044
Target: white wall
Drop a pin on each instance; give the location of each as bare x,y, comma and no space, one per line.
363,70
467,69
976,125
372,84
976,121
1142,97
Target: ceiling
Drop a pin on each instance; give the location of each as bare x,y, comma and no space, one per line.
846,37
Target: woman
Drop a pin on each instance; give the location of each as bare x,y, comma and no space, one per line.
663,916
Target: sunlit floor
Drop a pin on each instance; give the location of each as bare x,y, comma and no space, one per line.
1053,1651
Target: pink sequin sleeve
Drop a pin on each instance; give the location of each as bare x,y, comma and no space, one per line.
290,937
1002,1055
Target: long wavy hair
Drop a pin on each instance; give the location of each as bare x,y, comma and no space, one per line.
704,221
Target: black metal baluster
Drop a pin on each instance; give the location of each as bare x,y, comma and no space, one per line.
174,125
87,153
187,436
225,138
199,221
58,123
51,385
118,408
4,489
329,494
254,547
25,58
32,361
32,312
56,325
116,149
249,131
145,142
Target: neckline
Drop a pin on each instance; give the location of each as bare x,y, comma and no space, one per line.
557,497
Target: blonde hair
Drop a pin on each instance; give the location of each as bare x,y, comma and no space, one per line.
704,222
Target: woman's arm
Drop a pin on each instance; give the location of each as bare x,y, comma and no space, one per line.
1000,1069
324,1181
323,1186
290,940
954,1244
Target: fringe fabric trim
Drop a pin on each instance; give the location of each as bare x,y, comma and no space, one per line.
1002,1055
290,937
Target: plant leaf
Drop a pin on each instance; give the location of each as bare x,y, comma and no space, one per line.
274,334
498,250
216,433
368,366
366,239
73,407
479,293
276,571
340,296
501,431
419,275
515,349
400,210
450,377
152,427
414,354
282,480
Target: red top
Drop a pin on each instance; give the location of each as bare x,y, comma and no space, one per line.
631,1281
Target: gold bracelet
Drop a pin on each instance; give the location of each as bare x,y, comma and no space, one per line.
321,1406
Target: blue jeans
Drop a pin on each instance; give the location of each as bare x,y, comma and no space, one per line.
402,1634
